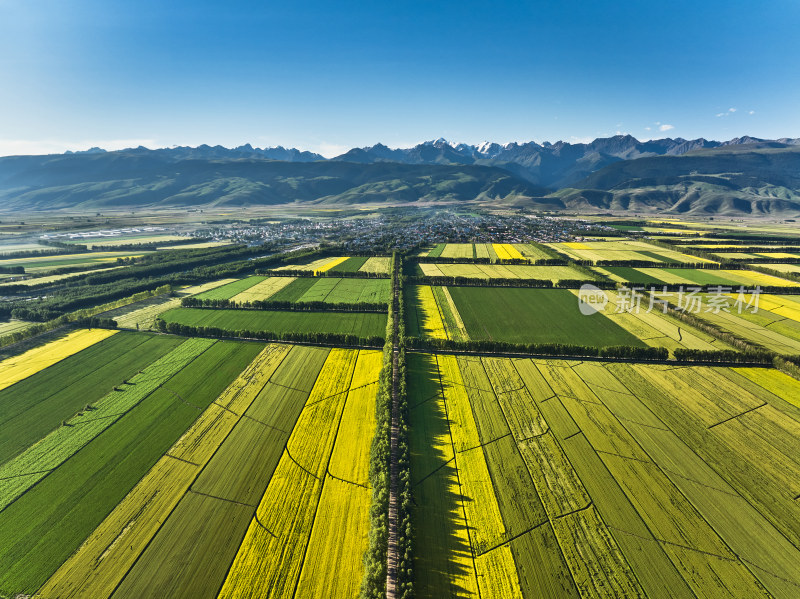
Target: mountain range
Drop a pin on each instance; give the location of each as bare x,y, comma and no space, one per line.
745,175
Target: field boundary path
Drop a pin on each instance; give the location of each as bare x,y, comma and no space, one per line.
573,358
391,552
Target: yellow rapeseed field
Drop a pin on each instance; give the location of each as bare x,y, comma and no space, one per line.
333,566
506,251
751,277
483,513
14,369
431,319
270,559
350,459
330,264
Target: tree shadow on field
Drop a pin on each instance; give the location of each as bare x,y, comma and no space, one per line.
443,556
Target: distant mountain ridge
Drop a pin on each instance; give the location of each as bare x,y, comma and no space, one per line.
552,165
745,175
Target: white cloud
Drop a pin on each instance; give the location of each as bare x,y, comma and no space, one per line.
329,150
731,110
647,128
666,127
752,112
728,112
719,114
17,147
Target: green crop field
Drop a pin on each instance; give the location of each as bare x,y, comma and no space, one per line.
522,315
38,404
45,525
279,321
353,264
547,478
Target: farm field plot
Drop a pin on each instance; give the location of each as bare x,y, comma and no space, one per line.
362,324
53,278
315,265
788,268
142,315
348,291
231,289
506,251
226,465
12,326
775,325
263,289
332,290
106,242
498,271
655,328
38,404
10,248
458,250
432,313
779,255
553,478
45,525
493,251
532,251
377,264
623,250
520,315
693,276
41,263
734,256
17,368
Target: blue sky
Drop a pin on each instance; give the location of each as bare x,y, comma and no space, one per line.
327,76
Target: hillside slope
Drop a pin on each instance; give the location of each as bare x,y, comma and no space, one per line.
116,179
759,178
